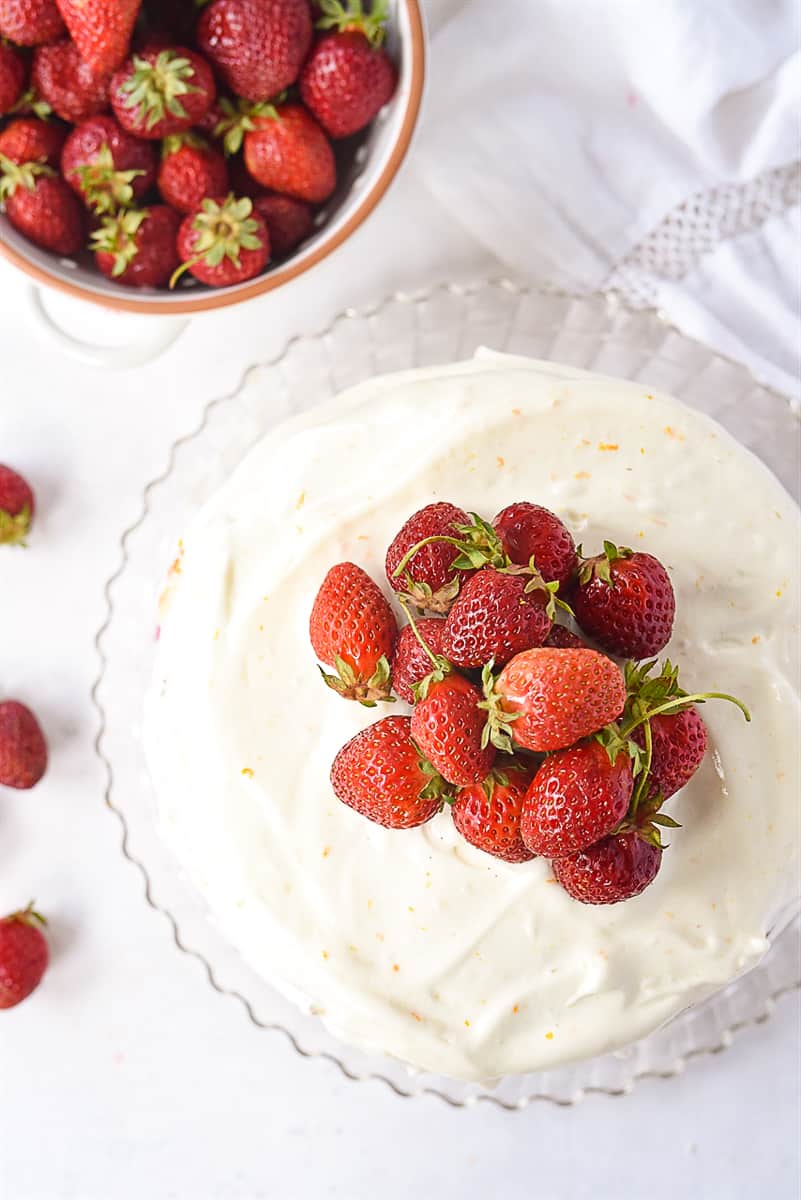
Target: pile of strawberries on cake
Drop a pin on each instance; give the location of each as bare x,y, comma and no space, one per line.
539,741
168,136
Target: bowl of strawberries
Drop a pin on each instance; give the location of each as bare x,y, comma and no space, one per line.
173,156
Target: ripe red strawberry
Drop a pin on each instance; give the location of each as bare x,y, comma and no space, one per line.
223,243
577,796
348,77
624,600
16,508
71,88
353,628
488,814
382,775
101,30
29,140
41,206
679,745
428,578
495,617
530,531
30,22
191,171
447,725
171,19
614,869
288,152
258,46
12,77
138,247
288,220
107,167
560,696
563,638
23,749
410,663
23,955
162,91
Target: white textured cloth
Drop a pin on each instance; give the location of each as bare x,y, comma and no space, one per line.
648,147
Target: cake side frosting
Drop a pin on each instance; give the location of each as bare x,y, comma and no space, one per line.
415,943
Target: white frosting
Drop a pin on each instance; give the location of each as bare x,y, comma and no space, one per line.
414,943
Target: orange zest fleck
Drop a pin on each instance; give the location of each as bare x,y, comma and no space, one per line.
608,445
582,475
247,772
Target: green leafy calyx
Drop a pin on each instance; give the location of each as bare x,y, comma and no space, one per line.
106,189
350,17
351,686
600,566
154,89
117,236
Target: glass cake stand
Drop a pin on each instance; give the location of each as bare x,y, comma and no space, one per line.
440,325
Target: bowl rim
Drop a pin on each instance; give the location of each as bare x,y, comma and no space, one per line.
209,300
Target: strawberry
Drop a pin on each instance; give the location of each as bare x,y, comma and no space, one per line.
348,77
287,151
71,88
23,955
427,575
101,30
107,167
488,814
611,870
258,46
41,206
548,698
191,171
411,663
288,220
172,19
563,638
528,532
16,508
138,247
382,775
577,796
223,242
624,600
12,77
447,725
496,616
679,745
353,628
162,91
29,140
23,749
30,22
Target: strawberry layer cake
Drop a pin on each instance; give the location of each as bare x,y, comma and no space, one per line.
422,941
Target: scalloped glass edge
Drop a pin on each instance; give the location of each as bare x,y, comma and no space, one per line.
442,323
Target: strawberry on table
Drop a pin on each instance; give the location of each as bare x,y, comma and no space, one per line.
23,955
382,775
448,726
614,869
353,629
23,749
288,220
191,171
529,531
107,167
223,243
577,796
496,616
348,77
138,247
624,600
286,151
17,507
411,662
257,46
162,91
427,575
30,140
547,699
13,72
101,30
30,22
488,814
41,206
72,89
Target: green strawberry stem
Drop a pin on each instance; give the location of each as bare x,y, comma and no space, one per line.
28,915
645,769
434,660
429,541
13,530
678,703
351,17
498,724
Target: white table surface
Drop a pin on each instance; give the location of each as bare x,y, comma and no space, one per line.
127,1077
